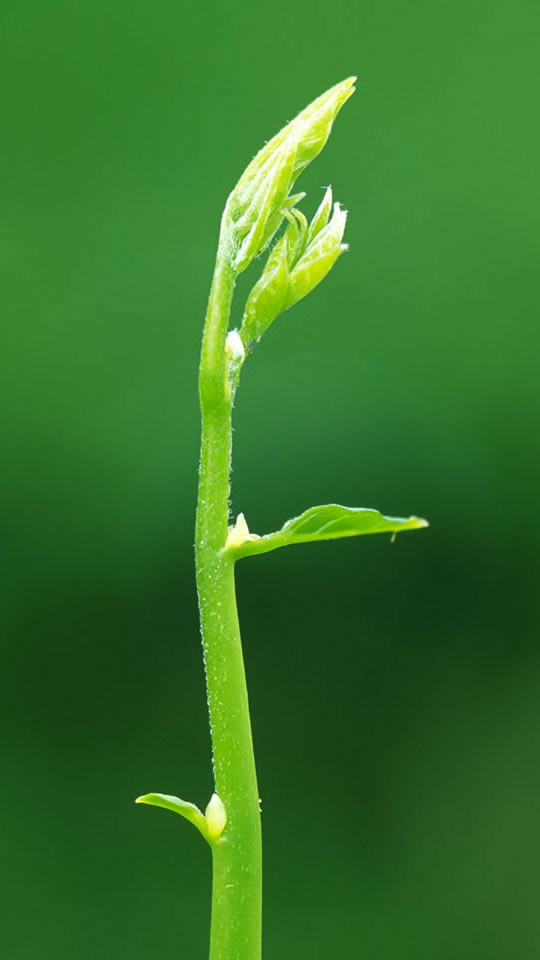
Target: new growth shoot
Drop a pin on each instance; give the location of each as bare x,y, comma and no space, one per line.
261,214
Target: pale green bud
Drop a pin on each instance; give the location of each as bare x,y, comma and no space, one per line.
322,216
216,817
256,225
295,236
297,264
268,295
314,124
318,259
256,206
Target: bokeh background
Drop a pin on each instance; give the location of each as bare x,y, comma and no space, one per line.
395,688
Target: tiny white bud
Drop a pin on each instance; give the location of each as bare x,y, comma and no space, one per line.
216,817
239,534
236,354
235,347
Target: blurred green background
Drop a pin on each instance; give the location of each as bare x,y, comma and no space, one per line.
395,689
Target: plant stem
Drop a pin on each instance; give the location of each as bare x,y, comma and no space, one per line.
237,862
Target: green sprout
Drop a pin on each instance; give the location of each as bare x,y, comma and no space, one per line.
301,256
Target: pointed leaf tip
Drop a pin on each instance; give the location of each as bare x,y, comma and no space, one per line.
300,260
255,207
187,810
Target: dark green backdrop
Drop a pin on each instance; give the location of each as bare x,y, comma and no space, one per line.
395,689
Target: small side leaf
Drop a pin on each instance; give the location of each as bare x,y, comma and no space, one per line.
328,522
187,810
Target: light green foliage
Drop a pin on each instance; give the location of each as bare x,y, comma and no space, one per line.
328,522
187,810
297,264
299,261
210,824
256,206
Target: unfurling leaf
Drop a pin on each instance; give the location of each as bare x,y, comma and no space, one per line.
299,261
266,299
316,258
257,204
187,810
328,522
256,225
322,216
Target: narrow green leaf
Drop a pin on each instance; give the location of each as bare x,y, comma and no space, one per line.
295,266
328,522
187,810
266,299
321,217
318,259
263,216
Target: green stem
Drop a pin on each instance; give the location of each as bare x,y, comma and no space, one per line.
237,863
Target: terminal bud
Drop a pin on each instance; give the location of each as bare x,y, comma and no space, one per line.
259,201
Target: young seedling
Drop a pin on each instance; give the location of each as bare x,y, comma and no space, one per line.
261,203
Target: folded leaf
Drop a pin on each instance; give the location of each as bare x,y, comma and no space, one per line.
187,810
322,216
299,261
328,522
257,204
